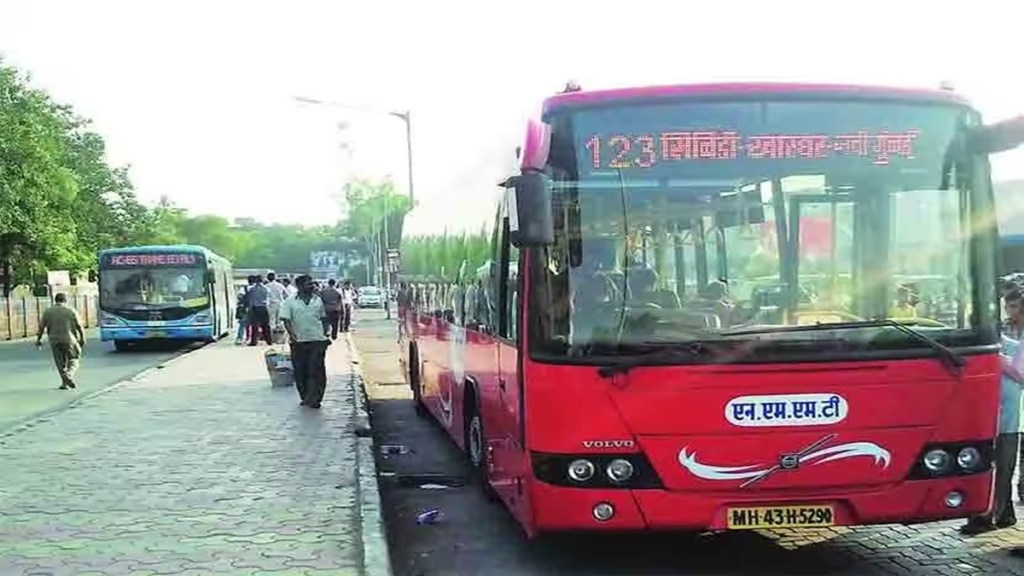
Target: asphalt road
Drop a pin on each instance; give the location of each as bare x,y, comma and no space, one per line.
28,380
477,537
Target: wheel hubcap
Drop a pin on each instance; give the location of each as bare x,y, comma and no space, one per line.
475,441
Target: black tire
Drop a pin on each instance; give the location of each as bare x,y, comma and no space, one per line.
476,450
121,345
417,387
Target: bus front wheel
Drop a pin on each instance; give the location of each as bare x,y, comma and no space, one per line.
414,383
476,447
121,345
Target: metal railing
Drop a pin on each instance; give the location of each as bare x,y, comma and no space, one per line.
19,316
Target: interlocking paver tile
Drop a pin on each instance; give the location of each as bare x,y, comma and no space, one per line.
201,468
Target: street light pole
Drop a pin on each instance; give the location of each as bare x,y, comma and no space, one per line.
385,265
408,149
386,260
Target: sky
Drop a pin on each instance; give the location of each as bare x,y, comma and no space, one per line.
198,97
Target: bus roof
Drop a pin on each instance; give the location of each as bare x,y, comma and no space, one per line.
187,248
582,98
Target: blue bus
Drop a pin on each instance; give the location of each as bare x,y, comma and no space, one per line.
164,292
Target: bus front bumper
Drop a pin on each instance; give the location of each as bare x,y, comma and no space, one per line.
184,332
560,509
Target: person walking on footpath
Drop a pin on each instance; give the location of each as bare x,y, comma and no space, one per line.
332,300
348,301
305,319
63,328
259,313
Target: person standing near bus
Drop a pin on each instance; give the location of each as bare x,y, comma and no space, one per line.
290,288
277,295
332,300
305,319
63,327
242,312
259,312
1003,514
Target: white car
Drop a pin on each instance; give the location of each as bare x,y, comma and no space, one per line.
370,297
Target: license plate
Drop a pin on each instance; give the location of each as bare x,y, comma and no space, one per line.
780,517
156,334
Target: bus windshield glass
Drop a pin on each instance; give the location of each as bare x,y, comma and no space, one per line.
147,281
698,221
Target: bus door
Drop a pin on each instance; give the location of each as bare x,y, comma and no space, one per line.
820,277
431,334
509,459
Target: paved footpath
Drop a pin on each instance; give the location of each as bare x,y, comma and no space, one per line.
199,468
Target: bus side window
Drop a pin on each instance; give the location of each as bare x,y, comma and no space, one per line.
512,296
494,276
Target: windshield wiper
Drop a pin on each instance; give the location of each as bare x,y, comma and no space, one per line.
950,358
685,352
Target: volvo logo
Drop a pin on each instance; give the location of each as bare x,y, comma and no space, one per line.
789,461
608,444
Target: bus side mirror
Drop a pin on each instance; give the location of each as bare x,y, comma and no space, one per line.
530,217
209,278
92,276
998,137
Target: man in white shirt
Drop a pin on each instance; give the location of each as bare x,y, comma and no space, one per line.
278,294
348,303
305,319
292,291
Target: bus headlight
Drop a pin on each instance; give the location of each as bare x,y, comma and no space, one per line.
201,318
944,459
581,470
968,458
619,470
109,320
936,460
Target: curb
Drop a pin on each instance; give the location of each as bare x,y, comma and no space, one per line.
33,419
376,555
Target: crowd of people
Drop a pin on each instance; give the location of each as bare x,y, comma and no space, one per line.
260,303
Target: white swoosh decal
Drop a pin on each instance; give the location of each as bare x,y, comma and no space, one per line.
851,450
831,454
689,461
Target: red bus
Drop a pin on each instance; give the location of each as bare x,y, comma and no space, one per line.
722,307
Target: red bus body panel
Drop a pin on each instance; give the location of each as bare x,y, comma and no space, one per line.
896,405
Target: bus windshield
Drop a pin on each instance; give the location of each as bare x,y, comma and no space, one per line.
689,221
140,283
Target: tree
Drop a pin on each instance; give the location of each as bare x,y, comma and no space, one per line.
369,203
59,199
442,255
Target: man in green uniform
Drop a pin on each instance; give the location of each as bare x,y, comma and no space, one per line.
67,338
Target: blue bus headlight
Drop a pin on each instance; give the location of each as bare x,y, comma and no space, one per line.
201,318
